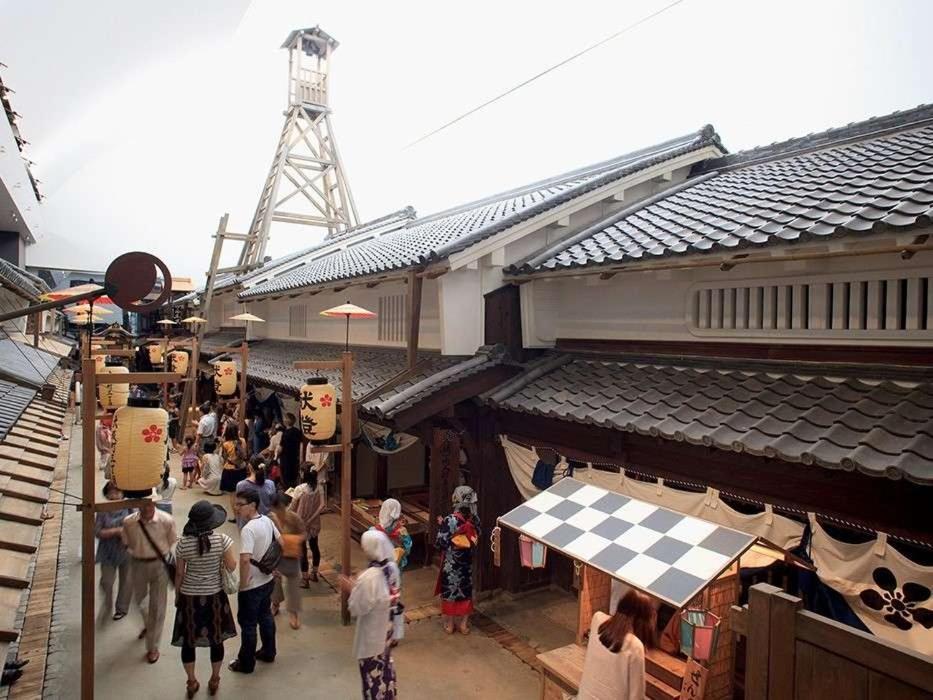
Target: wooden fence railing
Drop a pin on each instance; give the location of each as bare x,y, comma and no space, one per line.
792,654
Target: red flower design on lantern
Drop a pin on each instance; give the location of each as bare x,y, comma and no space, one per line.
326,400
152,434
228,370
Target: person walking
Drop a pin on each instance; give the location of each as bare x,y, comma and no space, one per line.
258,540
149,535
287,583
290,452
257,482
614,665
202,611
112,557
308,503
457,537
372,596
212,467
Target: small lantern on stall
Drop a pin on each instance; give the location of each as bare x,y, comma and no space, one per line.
139,433
225,376
533,553
178,361
699,633
112,396
155,354
318,409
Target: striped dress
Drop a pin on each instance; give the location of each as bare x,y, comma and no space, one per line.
202,617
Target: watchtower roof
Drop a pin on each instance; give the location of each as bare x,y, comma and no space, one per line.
315,41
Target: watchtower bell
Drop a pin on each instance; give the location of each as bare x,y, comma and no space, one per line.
309,52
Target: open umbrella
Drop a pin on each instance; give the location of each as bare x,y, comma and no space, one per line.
166,322
59,294
194,319
86,308
348,311
249,318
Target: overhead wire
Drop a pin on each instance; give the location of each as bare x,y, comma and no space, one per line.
544,72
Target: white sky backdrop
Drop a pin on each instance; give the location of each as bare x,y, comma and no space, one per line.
147,121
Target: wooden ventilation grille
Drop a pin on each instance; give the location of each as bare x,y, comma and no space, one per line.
863,308
298,321
393,318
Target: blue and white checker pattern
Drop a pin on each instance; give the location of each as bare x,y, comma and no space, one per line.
667,554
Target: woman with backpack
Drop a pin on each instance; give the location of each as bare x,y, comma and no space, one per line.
233,451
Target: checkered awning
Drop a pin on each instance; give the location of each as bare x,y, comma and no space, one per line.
668,555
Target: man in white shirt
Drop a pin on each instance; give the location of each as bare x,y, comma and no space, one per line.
254,601
207,427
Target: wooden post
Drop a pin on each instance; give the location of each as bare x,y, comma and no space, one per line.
415,283
346,459
244,355
757,648
88,478
36,320
782,648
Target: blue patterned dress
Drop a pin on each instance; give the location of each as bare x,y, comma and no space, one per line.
455,582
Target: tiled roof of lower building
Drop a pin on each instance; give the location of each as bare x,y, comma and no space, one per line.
20,281
24,364
215,342
441,235
13,401
271,363
880,428
861,179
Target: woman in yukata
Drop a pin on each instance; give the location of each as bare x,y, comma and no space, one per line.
457,537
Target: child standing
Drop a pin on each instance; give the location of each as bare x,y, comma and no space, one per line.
190,465
165,490
104,442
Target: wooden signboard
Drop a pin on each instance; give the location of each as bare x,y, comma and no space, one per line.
694,681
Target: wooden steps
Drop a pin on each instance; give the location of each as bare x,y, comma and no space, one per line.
668,669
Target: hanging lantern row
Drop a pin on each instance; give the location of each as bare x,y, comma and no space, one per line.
140,431
225,377
112,395
317,407
178,362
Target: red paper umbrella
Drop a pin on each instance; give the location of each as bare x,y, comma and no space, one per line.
348,311
59,294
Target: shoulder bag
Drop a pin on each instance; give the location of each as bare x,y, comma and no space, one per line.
167,558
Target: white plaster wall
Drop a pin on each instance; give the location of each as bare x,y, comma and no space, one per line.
461,300
653,305
362,332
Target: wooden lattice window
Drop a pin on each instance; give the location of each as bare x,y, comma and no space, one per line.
393,318
298,321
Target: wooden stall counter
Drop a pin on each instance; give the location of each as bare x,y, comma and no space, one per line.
365,514
561,670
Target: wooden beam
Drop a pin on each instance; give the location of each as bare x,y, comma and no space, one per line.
113,353
140,378
346,459
88,490
244,360
415,284
324,448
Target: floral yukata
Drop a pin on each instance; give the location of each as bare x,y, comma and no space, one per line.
457,537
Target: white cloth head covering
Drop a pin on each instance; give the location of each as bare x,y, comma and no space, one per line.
390,512
465,496
377,546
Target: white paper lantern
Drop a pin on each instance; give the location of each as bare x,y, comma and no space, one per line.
317,406
140,430
225,376
178,362
112,395
155,354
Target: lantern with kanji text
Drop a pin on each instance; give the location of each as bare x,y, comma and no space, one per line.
317,407
225,376
139,432
178,361
112,396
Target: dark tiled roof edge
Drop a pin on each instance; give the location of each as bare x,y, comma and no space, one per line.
874,127
19,280
539,259
702,138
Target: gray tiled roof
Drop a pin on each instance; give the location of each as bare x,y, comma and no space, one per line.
856,180
25,364
213,343
270,363
443,234
24,283
880,428
13,401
